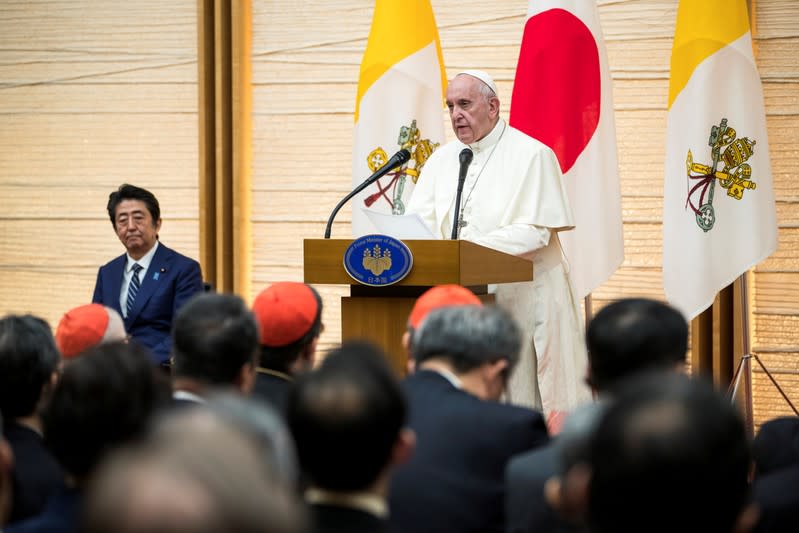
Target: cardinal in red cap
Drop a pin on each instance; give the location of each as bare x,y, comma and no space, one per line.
289,315
86,326
434,298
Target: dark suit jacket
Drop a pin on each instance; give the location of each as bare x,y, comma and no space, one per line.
273,389
526,509
777,494
335,519
170,281
62,515
454,482
35,476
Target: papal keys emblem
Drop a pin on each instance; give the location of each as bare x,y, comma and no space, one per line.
409,138
735,175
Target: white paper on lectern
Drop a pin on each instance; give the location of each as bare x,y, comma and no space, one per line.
399,226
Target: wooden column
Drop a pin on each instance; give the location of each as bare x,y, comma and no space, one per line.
225,104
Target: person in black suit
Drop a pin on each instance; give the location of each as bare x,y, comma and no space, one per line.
104,399
669,454
29,363
348,422
6,463
454,482
625,338
289,316
166,279
775,488
215,344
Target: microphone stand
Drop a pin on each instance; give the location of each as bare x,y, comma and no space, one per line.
398,159
465,158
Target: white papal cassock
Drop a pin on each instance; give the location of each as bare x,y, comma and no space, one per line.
514,201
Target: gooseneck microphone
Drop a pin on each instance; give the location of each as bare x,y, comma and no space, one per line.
465,157
398,159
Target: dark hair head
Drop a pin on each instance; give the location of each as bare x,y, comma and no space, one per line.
632,335
28,358
468,336
131,192
281,358
346,417
104,398
670,454
776,445
214,336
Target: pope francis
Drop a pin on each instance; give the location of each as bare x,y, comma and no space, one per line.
514,201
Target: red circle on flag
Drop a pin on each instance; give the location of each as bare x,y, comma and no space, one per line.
556,94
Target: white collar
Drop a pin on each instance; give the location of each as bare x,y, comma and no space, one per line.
449,376
364,501
144,261
489,140
188,396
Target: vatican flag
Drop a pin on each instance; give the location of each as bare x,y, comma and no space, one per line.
400,104
719,216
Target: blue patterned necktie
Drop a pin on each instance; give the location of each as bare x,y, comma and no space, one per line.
133,288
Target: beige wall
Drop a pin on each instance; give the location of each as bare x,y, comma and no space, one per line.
106,92
92,94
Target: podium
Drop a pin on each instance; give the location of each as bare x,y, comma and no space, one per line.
380,314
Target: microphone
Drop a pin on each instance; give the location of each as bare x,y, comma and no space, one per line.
398,159
465,157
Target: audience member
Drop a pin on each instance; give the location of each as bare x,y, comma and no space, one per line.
669,454
348,419
86,326
28,369
196,472
104,399
776,445
454,482
625,338
290,318
149,283
6,464
776,469
215,346
434,298
263,425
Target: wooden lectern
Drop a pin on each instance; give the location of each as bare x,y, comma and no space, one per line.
380,314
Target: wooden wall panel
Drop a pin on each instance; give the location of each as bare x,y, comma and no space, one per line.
92,94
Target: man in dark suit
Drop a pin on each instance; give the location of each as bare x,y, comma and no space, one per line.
625,338
348,422
150,282
215,348
104,399
29,363
289,316
454,482
669,454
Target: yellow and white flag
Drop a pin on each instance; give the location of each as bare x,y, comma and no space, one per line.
399,105
719,216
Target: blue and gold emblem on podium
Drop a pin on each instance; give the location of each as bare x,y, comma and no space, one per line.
377,260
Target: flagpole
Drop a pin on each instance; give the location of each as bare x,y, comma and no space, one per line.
745,366
588,301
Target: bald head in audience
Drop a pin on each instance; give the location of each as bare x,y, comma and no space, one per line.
196,473
669,454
